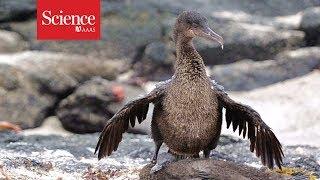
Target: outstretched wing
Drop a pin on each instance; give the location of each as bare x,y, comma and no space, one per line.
111,135
249,122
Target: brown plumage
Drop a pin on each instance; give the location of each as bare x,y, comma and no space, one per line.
188,107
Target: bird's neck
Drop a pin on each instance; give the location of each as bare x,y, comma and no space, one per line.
189,61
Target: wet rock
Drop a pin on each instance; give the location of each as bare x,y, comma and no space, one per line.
15,10
20,101
92,104
248,74
55,157
11,42
208,169
310,23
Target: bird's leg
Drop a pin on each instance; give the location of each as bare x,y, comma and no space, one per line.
157,138
179,157
163,160
206,153
156,151
167,158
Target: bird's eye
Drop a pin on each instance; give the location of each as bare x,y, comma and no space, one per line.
195,25
189,21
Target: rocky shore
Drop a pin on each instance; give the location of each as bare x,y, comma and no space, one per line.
269,43
71,157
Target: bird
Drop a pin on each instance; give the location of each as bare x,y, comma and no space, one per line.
188,108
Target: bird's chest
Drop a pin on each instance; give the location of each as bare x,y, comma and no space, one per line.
189,99
189,114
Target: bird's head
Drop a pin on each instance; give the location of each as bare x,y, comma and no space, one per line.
190,24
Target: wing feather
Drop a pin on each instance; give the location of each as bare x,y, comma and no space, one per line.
248,121
111,135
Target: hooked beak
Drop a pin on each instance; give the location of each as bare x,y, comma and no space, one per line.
211,35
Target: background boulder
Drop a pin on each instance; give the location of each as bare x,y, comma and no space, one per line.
248,74
58,73
243,41
33,83
290,108
156,62
20,101
15,10
89,107
310,23
11,42
129,26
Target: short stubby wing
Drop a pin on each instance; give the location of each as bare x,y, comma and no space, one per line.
248,121
137,109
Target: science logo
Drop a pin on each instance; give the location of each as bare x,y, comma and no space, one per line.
68,19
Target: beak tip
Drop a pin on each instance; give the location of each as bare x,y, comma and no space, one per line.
211,35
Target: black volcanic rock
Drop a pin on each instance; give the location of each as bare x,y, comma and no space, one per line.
89,107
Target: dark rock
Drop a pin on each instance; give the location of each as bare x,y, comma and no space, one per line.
20,101
247,74
87,109
310,23
208,169
72,156
158,52
156,62
16,10
11,42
